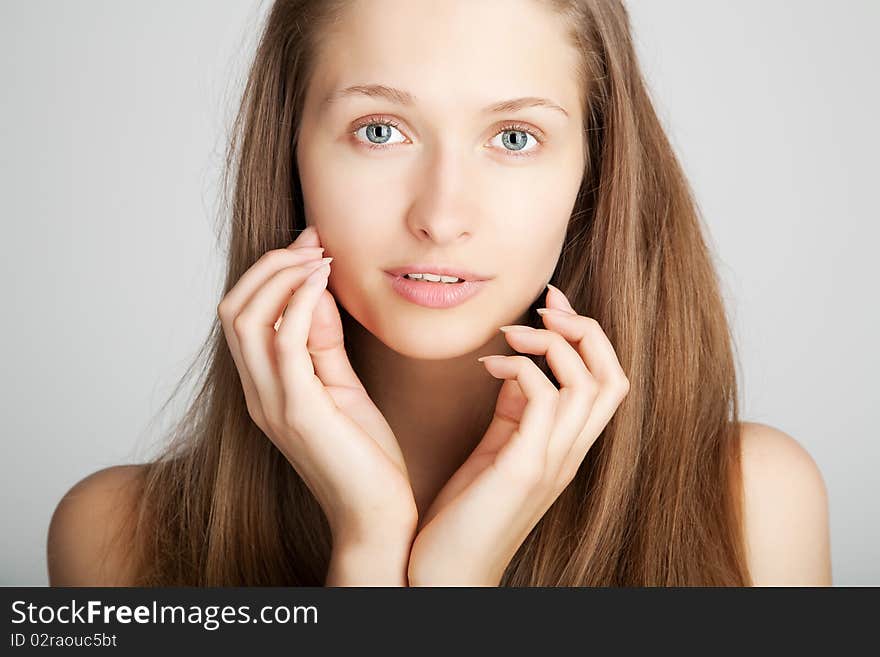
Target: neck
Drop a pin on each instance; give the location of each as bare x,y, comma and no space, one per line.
438,409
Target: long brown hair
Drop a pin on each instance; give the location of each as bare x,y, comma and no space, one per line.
658,499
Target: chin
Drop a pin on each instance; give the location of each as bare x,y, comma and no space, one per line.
426,334
407,340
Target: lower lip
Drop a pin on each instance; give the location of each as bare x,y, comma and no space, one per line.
434,295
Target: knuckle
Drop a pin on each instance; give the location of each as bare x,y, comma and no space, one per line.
585,380
566,476
557,338
570,471
274,428
549,395
240,324
591,386
284,341
586,385
276,257
255,410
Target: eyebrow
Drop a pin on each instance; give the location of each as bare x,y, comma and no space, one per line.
405,98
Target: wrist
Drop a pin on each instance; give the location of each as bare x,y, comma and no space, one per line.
452,574
383,562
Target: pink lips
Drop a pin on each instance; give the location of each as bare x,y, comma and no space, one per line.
442,270
434,295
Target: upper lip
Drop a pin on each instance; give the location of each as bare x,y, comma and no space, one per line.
442,270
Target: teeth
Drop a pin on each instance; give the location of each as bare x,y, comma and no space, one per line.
433,277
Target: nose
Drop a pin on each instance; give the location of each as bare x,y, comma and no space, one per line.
444,211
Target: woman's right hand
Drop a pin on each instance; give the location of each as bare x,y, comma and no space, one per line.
302,392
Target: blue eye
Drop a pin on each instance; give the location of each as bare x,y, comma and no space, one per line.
378,132
519,139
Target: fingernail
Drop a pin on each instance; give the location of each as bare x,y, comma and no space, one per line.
561,296
322,262
317,265
557,312
515,327
482,358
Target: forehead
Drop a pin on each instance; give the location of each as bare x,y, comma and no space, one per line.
451,54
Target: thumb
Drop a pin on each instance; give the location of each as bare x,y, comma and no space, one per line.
327,347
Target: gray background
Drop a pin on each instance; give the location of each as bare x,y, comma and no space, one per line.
114,118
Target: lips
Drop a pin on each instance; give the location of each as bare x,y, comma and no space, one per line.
442,270
434,295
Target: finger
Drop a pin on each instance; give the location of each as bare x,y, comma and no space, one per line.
295,342
590,341
258,273
508,411
577,392
307,240
235,299
326,344
308,237
506,417
525,452
556,299
256,333
597,352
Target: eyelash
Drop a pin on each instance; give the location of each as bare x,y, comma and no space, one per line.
386,121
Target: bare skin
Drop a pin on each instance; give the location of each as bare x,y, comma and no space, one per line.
786,519
433,450
446,190
450,203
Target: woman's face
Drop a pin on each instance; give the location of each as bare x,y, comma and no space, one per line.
452,183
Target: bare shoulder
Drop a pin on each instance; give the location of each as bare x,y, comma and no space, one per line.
88,543
786,510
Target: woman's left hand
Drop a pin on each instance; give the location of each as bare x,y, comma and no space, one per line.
538,437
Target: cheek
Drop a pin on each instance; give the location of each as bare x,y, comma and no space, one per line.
347,206
532,233
332,188
360,254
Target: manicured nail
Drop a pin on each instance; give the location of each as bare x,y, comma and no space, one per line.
515,327
482,358
317,265
561,295
556,312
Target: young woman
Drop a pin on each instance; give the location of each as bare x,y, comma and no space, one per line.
345,432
